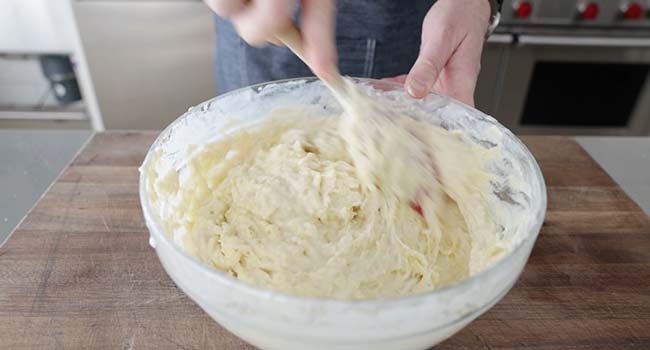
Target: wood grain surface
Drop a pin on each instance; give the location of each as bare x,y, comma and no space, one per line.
78,272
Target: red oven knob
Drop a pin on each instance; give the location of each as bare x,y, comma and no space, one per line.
523,9
632,11
589,11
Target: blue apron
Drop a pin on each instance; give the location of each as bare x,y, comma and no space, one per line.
374,38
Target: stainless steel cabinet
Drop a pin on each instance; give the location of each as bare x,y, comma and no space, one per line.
149,60
564,85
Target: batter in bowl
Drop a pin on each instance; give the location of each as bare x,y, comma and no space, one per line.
281,205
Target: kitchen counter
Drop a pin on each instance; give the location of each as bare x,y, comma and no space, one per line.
627,161
79,273
30,160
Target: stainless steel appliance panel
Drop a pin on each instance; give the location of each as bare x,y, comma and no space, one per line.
609,67
608,13
488,86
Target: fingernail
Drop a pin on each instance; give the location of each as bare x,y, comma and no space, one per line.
415,87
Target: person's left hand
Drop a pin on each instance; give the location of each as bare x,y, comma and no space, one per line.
449,61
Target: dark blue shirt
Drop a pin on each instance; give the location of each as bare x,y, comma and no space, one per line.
374,39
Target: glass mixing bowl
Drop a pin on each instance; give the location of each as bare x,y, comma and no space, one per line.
274,320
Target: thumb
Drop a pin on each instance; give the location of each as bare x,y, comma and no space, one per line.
422,76
436,49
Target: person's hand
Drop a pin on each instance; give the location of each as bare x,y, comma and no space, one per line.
450,53
257,21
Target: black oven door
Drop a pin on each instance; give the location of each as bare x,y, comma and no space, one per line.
580,85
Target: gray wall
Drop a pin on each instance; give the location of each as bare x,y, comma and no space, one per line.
149,60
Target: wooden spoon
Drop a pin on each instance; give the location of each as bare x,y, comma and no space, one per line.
383,143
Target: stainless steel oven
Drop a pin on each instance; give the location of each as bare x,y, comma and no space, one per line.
579,67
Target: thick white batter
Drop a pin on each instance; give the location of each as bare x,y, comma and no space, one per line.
282,206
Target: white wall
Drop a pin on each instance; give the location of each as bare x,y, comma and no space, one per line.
36,26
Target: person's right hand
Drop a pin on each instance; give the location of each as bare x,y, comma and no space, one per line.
257,21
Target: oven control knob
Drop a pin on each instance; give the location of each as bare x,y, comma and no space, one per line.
588,11
632,11
522,9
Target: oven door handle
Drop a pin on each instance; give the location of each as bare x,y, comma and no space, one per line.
500,39
533,40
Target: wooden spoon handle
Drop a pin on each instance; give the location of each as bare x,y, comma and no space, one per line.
291,37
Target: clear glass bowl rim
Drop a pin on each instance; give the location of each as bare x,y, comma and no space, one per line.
277,296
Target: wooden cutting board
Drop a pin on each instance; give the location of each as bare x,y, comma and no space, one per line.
78,272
